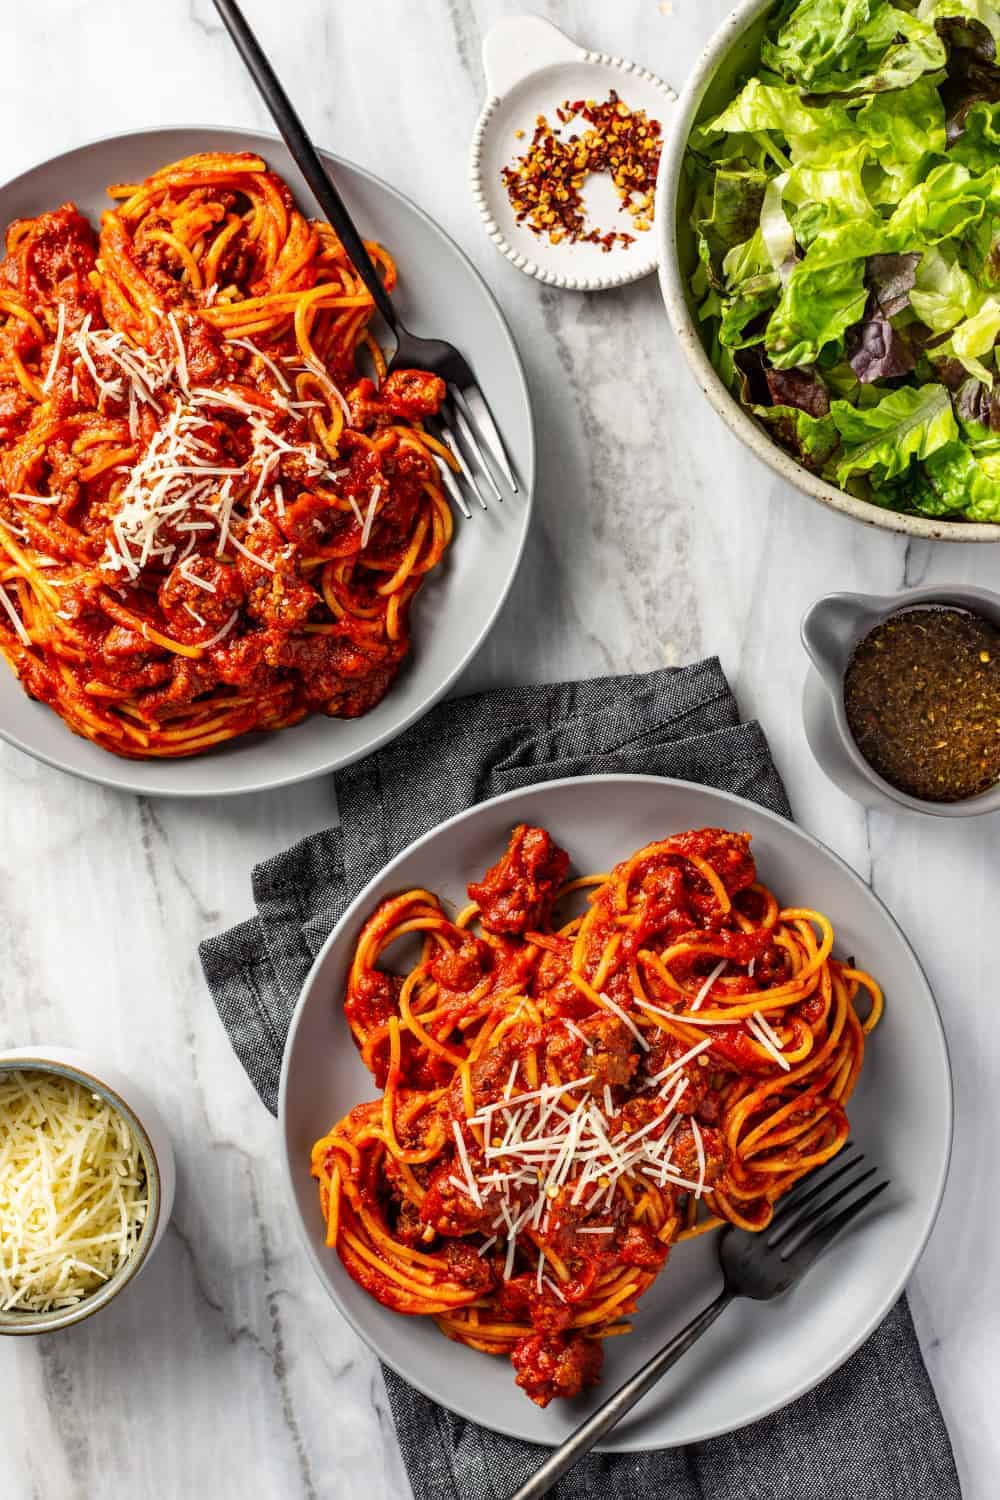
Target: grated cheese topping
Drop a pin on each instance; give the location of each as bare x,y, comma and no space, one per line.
534,1141
73,1191
56,349
15,618
178,473
702,994
768,1038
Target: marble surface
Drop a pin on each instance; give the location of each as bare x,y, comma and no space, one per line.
657,539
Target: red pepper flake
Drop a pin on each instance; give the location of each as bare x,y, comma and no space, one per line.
544,184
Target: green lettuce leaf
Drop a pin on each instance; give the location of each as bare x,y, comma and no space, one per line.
777,109
962,482
974,338
882,440
852,241
901,133
818,305
744,261
837,184
853,47
903,127
756,296
737,194
978,146
812,440
944,293
943,206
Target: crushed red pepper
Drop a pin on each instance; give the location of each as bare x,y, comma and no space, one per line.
544,184
922,696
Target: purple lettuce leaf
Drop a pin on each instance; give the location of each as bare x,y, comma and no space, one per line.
799,387
975,402
892,278
876,350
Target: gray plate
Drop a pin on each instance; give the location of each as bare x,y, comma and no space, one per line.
439,293
758,1357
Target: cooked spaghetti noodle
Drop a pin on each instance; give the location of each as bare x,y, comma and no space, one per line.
211,521
565,1098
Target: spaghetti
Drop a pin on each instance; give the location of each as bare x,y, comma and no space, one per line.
211,520
563,1099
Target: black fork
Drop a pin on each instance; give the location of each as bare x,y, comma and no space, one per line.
760,1266
465,425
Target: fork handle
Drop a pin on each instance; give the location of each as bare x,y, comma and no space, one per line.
304,153
625,1397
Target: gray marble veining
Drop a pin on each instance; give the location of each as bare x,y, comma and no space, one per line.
225,1370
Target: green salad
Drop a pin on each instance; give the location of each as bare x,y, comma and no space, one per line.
846,205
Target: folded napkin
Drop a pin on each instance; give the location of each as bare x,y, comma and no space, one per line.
873,1430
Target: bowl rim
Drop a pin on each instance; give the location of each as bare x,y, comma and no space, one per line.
672,289
19,1324
882,607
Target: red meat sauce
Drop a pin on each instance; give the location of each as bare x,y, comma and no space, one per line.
516,898
344,672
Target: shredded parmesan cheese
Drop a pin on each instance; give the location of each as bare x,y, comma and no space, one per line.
627,1019
15,618
73,1192
542,1143
698,1000
56,349
217,637
370,516
768,1039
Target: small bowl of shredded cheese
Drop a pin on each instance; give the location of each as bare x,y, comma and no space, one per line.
86,1187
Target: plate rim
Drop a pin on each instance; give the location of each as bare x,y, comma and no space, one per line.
124,781
764,1408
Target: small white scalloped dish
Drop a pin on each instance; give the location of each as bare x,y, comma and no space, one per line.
531,69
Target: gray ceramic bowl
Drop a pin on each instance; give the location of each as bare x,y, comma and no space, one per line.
831,629
733,52
146,1124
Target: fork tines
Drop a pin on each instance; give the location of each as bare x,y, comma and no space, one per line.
465,425
821,1205
474,409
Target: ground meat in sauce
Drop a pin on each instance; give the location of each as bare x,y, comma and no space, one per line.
551,983
373,998
639,1247
559,1365
520,1299
460,969
613,1054
450,1211
517,893
602,1225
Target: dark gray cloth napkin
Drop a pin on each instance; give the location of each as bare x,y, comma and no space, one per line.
873,1430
